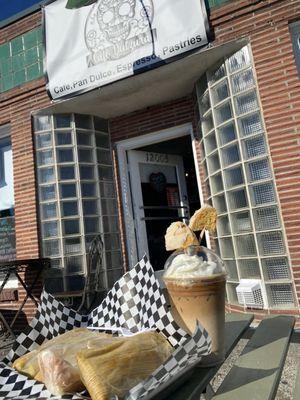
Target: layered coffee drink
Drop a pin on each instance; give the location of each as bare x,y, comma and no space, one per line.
195,279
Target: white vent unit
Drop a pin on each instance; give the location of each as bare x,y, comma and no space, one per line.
249,293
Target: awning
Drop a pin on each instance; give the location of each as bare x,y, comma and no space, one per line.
168,82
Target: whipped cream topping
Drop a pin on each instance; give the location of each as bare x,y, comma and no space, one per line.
185,266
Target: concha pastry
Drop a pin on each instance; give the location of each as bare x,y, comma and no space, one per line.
205,218
179,236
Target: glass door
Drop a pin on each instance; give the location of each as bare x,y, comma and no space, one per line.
159,197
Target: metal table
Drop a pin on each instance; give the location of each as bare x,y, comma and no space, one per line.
17,268
255,374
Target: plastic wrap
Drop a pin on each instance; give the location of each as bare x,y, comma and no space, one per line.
119,366
47,362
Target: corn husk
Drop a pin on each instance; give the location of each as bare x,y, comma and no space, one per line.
119,366
57,357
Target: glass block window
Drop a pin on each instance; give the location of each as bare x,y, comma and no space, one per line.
21,60
240,180
77,198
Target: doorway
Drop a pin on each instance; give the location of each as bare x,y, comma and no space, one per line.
162,188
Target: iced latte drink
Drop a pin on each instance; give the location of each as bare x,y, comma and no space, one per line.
195,279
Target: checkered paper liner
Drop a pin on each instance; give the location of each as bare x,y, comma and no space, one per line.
135,302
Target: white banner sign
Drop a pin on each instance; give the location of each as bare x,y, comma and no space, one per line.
113,39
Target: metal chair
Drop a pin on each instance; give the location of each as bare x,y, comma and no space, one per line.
95,266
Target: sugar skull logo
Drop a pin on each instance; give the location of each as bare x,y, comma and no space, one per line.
114,18
114,28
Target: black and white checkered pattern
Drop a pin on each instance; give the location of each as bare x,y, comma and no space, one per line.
135,302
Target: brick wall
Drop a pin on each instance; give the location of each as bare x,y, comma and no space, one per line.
265,23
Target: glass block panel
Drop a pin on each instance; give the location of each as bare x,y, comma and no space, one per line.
223,113
266,218
227,133
113,276
69,208
217,74
254,147
281,295
46,175
43,140
105,173
72,245
104,157
237,199
242,81
223,226
100,124
241,222
204,103
245,245
216,184
87,172
239,60
88,190
45,157
84,138
63,138
91,225
113,259
42,123
231,291
107,189
220,204
47,193
249,269
231,270
64,155
220,92
74,265
50,229
213,163
230,155
234,177
66,172
262,194
246,103
250,124
85,155
83,121
62,121
110,224
111,241
49,210
51,248
70,226
226,248
258,170
276,268
210,143
67,190
90,207
102,140
271,243
109,207
207,123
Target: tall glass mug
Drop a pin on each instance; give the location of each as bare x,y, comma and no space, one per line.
195,279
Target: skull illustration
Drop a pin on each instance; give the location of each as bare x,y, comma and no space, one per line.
114,18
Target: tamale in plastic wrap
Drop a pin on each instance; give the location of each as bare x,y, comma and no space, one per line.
119,366
69,344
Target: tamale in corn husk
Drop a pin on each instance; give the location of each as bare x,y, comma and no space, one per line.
119,366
